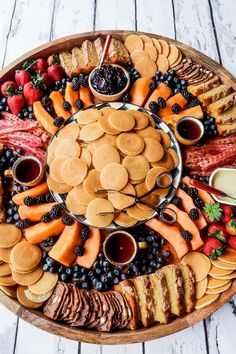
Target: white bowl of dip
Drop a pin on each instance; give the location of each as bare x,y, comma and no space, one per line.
225,180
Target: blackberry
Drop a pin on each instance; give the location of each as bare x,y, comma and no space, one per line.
184,187
75,84
194,214
198,202
153,106
83,80
187,95
40,199
52,240
29,201
67,220
153,85
125,98
48,198
55,212
193,192
187,236
66,106
46,217
79,250
194,102
84,233
177,201
175,108
58,121
22,224
161,102
79,103
46,101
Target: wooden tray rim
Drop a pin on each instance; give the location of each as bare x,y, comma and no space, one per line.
37,318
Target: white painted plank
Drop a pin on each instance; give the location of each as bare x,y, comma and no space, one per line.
30,27
155,17
190,340
194,26
8,323
74,16
6,11
116,14
225,24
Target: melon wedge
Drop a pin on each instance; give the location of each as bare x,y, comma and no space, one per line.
33,192
35,212
140,91
206,197
41,231
91,249
162,90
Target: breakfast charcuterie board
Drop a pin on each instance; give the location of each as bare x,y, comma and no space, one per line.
109,231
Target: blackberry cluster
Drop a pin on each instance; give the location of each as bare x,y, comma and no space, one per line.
58,121
50,242
153,106
84,233
47,104
198,202
75,84
22,224
66,105
46,217
175,108
30,201
184,187
187,236
178,202
67,220
79,250
125,98
61,85
55,212
83,80
161,102
194,214
79,103
193,192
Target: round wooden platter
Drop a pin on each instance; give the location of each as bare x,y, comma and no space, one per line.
37,318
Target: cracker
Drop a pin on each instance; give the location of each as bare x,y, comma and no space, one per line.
201,287
151,50
157,45
73,171
133,42
37,298
178,60
24,300
206,300
220,289
96,206
146,67
137,166
130,143
145,38
164,47
162,63
91,132
29,278
215,283
10,235
114,176
173,54
121,120
138,54
104,155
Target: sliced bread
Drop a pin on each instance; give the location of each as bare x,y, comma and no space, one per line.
118,53
161,298
90,55
78,60
99,44
189,287
204,86
226,117
67,63
214,94
227,129
222,105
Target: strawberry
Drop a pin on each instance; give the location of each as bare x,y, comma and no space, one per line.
41,65
53,59
32,93
231,227
8,88
47,80
16,103
56,71
218,230
212,212
22,77
232,242
227,212
212,247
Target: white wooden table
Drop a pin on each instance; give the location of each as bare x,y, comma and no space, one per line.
208,25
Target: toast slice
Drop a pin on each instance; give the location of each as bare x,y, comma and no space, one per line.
118,53
204,86
161,298
91,60
227,129
222,105
214,94
67,64
175,285
144,290
99,44
78,60
189,287
127,288
226,117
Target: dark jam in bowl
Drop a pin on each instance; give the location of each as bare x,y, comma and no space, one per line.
120,248
109,80
27,170
189,130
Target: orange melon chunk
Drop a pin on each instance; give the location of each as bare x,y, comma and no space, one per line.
44,118
85,96
33,192
195,111
63,250
172,234
35,212
206,197
178,98
140,91
91,249
41,231
162,90
71,96
57,102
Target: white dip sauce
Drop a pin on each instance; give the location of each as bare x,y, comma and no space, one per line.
225,180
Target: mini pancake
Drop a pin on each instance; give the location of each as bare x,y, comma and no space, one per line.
120,201
5,269
151,50
151,121
29,278
141,119
178,60
199,263
137,54
45,284
69,131
206,300
104,123
114,176
133,42
215,271
220,289
9,290
106,139
226,277
157,45
201,287
107,110
7,280
150,132
5,254
152,175
74,206
174,156
22,271
25,256
88,116
146,67
162,63
37,298
136,181
68,148
165,139
152,199
92,183
51,148
24,300
73,171
145,38
104,155
90,148
214,283
217,263
10,235
86,157
166,161
91,132
229,255
139,214
130,143
55,169
164,47
76,198
153,150
137,166
124,220
121,120
173,54
96,206
60,188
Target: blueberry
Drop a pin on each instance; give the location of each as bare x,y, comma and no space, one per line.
104,278
50,261
154,250
16,217
10,212
53,270
91,274
153,264
45,267
166,254
116,272
94,281
150,270
61,269
76,275
84,270
64,277
155,244
76,268
44,255
116,280
68,271
163,242
110,275
96,264
98,271
99,286
122,276
9,220
105,263
150,256
159,259
144,269
85,285
84,277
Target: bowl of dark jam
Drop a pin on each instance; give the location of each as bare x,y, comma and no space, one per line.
109,82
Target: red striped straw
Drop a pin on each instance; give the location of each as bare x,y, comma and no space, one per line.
105,49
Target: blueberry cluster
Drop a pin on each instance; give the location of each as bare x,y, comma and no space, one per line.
7,159
26,112
47,104
133,73
61,85
11,208
3,105
210,127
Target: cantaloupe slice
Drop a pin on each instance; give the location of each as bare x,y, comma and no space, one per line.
188,205
195,111
91,249
162,90
44,118
41,231
35,212
33,192
140,91
178,98
187,224
206,197
71,96
85,96
57,102
64,249
172,234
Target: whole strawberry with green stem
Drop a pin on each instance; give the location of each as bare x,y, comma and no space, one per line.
227,212
218,231
231,227
8,88
32,93
16,103
22,77
213,248
212,212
